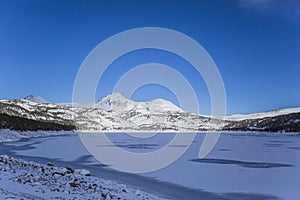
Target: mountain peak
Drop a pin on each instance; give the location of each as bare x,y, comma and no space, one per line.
35,98
114,101
117,102
116,95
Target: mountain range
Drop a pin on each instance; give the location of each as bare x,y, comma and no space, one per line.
117,113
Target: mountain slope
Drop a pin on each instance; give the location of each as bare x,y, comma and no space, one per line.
20,124
289,122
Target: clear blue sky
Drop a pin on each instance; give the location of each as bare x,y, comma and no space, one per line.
255,44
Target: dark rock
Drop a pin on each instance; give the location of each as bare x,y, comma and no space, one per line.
73,184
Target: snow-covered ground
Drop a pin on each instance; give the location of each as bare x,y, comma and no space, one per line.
27,180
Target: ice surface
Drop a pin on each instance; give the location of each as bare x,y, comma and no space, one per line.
241,163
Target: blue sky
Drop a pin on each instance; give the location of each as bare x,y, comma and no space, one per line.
255,44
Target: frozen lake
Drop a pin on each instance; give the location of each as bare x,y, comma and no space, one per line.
256,166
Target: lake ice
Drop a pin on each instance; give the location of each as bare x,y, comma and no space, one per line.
252,163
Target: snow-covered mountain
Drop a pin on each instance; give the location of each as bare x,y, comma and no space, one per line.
36,99
117,113
117,103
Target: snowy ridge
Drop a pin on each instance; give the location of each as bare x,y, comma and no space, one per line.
273,113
